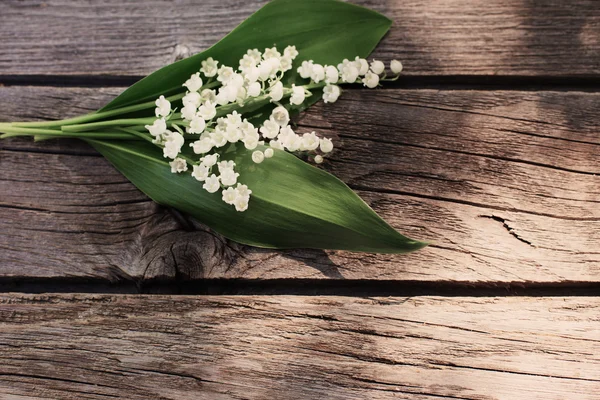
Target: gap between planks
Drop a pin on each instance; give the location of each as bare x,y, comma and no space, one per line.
298,287
583,83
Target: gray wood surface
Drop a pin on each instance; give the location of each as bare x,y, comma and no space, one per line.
441,37
294,347
505,183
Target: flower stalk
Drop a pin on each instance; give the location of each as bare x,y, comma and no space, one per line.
216,109
15,131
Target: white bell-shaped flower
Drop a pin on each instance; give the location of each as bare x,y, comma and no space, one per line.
229,177
305,69
218,138
310,142
290,51
326,145
209,67
178,165
194,83
253,89
271,53
242,190
247,62
265,70
207,111
362,65
270,129
192,99
298,95
173,143
285,63
276,91
233,134
208,95
371,80
276,144
317,73
188,112
225,164
212,184
209,160
229,195
252,74
396,66
331,74
202,146
200,172
331,93
197,125
251,141
158,128
377,67
258,157
163,107
241,203
225,74
280,115
255,54
349,72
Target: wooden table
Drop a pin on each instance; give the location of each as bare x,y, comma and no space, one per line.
489,146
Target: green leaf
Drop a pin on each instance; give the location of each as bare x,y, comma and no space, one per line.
293,204
300,206
326,31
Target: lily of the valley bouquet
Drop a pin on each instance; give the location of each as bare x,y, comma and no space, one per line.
211,135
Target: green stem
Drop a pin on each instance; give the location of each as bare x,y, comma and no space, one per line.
103,124
390,79
94,116
10,129
14,131
82,135
138,134
117,122
178,122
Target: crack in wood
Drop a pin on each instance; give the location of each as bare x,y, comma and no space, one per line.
469,203
505,371
51,378
508,228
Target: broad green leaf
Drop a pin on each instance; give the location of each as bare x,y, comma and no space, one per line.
293,204
326,31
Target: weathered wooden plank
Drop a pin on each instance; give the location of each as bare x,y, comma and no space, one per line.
262,347
444,37
505,186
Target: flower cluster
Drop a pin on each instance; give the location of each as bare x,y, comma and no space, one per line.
209,119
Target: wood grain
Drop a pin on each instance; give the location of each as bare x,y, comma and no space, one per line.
442,37
253,347
505,184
